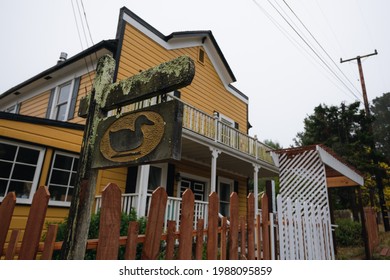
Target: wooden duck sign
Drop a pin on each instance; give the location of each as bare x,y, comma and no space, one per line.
149,135
152,134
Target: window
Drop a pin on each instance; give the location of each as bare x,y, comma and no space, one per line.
225,188
197,187
157,176
13,109
62,178
62,101
20,166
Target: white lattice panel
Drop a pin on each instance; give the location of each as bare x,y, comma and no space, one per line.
303,208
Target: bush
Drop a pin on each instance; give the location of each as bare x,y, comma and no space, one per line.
93,232
348,233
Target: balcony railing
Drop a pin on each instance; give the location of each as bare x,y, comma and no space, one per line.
211,127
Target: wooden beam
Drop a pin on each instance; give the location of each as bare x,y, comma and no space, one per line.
340,181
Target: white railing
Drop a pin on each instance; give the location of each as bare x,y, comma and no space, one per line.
210,127
172,211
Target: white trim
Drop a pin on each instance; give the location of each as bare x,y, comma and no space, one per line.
60,202
337,165
54,104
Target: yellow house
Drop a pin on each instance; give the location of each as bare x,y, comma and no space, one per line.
40,132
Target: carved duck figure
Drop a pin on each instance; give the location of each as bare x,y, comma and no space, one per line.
126,140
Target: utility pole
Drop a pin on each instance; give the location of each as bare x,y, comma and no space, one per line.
378,175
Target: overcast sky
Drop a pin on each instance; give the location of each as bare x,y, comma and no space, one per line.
285,75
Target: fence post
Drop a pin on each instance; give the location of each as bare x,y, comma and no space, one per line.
234,225
199,239
48,247
131,243
34,226
6,210
265,228
170,247
251,226
110,223
212,230
186,225
12,244
155,224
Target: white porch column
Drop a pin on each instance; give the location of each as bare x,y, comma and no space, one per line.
142,187
214,155
256,169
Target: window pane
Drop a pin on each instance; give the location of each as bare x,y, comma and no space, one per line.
5,169
27,155
64,94
7,152
3,187
63,162
21,189
154,178
57,193
75,164
23,172
61,110
72,179
59,177
70,195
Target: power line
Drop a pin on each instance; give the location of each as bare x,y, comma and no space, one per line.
312,49
319,44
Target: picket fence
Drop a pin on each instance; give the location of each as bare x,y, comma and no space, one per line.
247,237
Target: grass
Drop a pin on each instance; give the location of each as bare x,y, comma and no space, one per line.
358,252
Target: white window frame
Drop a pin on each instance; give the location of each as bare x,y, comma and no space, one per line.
230,182
164,174
37,173
55,103
12,108
59,202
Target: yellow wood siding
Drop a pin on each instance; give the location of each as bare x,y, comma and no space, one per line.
115,175
206,91
62,138
35,106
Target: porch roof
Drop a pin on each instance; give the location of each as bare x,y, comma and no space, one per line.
339,173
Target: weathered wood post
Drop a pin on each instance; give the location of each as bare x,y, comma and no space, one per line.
99,150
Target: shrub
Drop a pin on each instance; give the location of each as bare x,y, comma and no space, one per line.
93,232
348,233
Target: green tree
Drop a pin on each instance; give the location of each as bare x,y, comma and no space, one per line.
344,129
380,109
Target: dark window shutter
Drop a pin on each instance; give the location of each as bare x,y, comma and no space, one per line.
131,180
50,105
236,186
236,125
171,179
72,105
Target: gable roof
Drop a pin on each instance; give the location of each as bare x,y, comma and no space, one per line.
109,45
181,39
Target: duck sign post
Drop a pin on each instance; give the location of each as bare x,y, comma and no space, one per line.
149,135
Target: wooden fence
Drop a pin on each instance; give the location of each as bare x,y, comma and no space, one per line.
239,238
371,230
